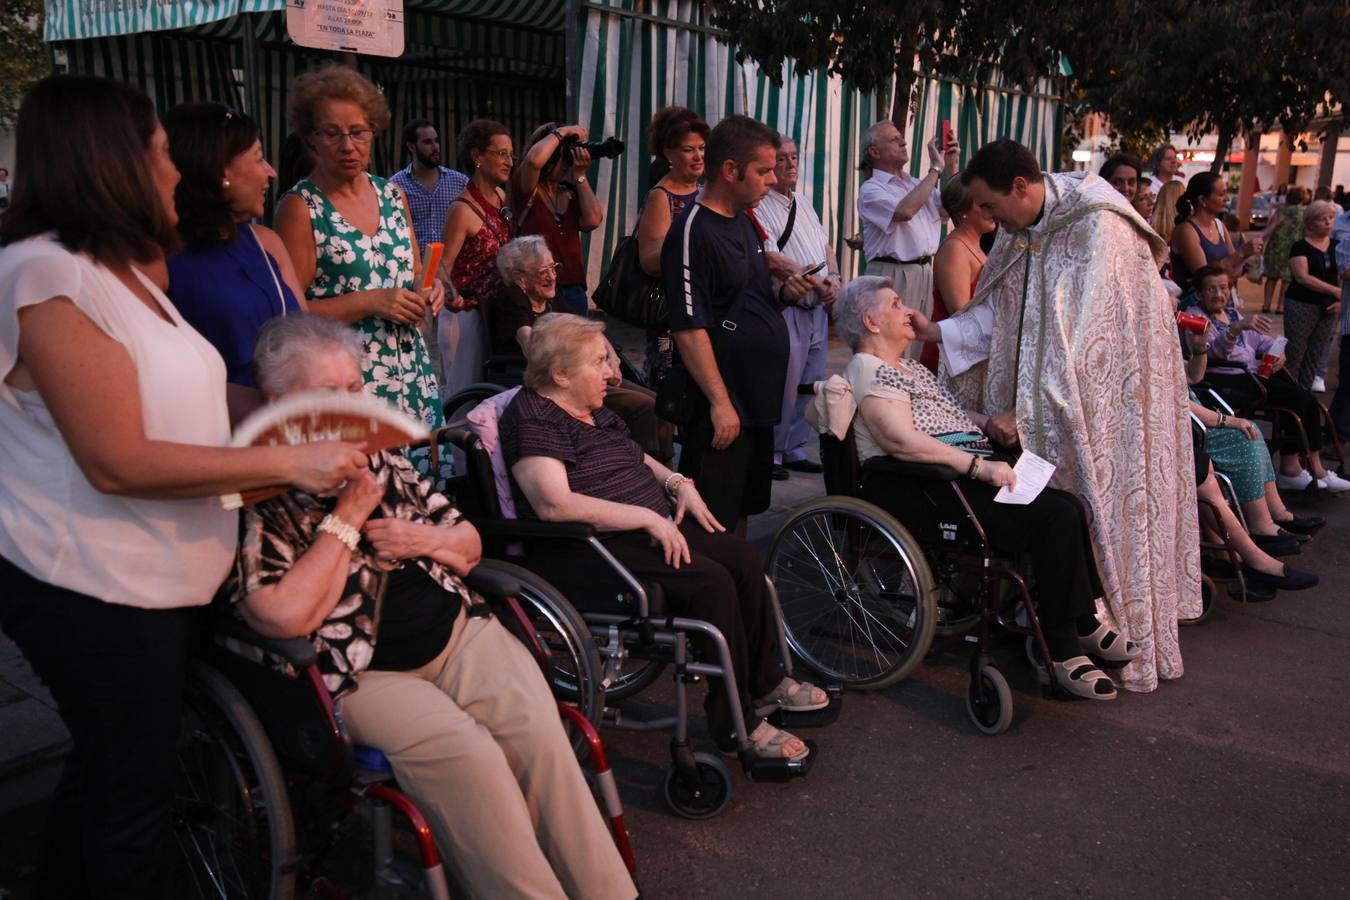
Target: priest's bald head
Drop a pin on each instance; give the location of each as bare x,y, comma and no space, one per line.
1004,181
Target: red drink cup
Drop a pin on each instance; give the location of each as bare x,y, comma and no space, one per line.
1274,352
1191,322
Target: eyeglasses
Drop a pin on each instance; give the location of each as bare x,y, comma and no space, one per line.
550,271
334,136
501,154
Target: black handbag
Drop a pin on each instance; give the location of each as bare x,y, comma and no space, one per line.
628,293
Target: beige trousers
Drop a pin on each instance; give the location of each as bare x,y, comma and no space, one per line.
475,738
914,284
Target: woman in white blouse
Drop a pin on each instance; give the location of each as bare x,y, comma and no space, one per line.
113,426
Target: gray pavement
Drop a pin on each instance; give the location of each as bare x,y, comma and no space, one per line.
1233,781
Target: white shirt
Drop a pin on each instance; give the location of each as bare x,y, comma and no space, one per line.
807,244
53,524
882,235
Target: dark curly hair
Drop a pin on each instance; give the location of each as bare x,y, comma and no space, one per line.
475,137
82,144
670,125
203,138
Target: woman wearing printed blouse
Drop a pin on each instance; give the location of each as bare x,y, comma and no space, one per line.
419,668
350,238
904,412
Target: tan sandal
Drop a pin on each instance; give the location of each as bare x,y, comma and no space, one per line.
773,743
792,696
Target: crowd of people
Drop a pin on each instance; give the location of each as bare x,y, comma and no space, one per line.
146,312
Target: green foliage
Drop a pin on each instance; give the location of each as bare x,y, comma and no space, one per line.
23,55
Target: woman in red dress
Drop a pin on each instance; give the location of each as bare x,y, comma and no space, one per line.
956,268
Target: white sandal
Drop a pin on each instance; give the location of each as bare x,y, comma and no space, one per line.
1079,677
792,696
1109,647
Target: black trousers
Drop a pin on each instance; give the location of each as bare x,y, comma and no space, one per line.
117,674
1281,390
1052,528
1340,402
724,585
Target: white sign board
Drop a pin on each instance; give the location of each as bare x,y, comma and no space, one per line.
370,27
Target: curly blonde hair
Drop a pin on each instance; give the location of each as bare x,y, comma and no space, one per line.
334,82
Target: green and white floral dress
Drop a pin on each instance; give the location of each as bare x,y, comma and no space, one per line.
397,367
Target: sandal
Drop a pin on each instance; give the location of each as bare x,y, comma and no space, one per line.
1079,677
792,696
768,742
1109,648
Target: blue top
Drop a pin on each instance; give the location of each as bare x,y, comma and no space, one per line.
429,208
227,293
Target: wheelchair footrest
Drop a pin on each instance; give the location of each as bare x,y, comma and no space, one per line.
818,718
778,769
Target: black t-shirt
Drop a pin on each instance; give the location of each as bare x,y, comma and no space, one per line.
707,261
602,460
417,617
1322,266
511,312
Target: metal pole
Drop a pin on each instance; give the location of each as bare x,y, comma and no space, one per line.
252,99
572,53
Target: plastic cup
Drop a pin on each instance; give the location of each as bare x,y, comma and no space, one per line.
1191,322
1275,351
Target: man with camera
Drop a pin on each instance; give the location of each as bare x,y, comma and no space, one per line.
555,201
795,231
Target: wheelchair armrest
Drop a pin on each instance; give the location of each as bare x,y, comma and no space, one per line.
508,529
299,652
892,466
492,582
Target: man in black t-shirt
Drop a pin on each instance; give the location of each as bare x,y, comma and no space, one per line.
726,319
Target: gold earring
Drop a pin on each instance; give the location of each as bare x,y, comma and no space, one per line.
226,183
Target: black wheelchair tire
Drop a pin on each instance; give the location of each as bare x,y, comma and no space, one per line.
797,587
223,746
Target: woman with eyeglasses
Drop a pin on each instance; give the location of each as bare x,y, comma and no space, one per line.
478,226
349,236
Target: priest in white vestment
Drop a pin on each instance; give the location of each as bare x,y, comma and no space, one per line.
1071,341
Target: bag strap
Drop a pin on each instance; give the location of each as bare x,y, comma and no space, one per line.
791,220
271,270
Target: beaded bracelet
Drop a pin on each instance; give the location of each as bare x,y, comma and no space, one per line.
673,482
341,530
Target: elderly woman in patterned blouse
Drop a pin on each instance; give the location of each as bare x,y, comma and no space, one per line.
903,412
421,670
349,236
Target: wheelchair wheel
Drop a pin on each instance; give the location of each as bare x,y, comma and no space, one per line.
989,701
857,594
231,817
710,797
573,660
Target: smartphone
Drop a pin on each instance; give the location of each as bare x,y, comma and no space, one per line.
946,134
814,269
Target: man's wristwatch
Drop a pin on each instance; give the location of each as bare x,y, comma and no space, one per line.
937,169
581,179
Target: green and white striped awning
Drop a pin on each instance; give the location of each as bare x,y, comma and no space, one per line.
69,20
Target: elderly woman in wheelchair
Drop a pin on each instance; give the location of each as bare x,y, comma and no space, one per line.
571,459
903,413
423,672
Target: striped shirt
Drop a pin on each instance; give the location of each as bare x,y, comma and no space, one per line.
807,244
602,461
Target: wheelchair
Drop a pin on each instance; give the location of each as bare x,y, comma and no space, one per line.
865,591
271,790
636,637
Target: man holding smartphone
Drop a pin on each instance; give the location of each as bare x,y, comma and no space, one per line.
795,231
901,215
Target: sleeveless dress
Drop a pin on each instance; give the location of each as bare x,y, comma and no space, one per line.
660,343
475,273
1287,231
929,356
396,367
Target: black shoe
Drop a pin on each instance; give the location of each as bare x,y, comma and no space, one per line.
1303,524
1292,579
780,473
804,465
1276,544
1301,538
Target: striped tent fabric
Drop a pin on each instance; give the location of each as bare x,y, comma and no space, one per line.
640,55
71,20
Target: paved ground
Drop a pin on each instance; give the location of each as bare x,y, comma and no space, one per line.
1233,781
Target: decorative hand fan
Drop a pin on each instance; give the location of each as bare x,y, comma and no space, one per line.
322,416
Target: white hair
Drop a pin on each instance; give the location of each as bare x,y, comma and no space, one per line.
287,343
856,300
870,139
1316,209
520,255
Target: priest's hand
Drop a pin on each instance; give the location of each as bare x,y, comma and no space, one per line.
1003,429
925,329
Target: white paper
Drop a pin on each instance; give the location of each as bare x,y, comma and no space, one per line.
1033,474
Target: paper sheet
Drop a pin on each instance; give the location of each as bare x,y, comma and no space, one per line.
1033,474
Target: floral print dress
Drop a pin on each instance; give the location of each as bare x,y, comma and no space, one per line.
397,367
